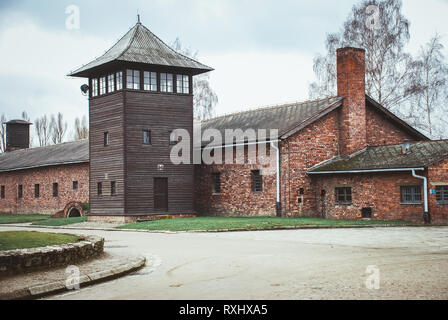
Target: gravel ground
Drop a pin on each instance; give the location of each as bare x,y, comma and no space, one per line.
293,264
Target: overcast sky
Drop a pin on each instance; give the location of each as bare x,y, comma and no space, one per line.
262,50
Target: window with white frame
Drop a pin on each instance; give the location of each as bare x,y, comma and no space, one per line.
133,79
94,87
150,81
166,82
111,83
183,84
119,76
102,85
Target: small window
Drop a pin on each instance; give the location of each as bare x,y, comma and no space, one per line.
75,185
442,194
257,181
20,191
366,213
55,190
150,81
344,195
411,194
113,189
133,79
102,85
36,191
146,137
2,193
100,188
166,82
119,78
174,138
183,84
111,83
302,191
106,139
216,182
94,87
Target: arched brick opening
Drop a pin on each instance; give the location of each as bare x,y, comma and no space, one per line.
73,210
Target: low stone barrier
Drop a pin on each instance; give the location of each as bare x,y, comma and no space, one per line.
28,260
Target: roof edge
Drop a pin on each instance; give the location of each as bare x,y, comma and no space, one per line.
365,171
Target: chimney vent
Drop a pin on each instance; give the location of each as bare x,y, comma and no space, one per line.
17,135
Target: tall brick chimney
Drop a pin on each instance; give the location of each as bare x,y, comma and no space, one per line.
351,70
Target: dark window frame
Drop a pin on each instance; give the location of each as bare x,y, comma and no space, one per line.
442,194
99,189
106,139
113,188
2,192
411,194
55,190
216,182
37,191
75,185
344,195
257,181
20,191
136,78
147,133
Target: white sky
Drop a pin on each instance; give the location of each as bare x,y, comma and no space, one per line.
262,51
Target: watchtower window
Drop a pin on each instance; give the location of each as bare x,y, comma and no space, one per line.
113,188
2,193
119,77
146,137
100,188
166,82
111,83
150,81
36,191
257,181
133,79
183,84
55,190
106,139
94,87
102,85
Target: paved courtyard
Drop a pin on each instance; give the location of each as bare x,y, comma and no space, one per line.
297,264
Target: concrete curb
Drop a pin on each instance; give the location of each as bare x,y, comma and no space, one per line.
303,227
47,289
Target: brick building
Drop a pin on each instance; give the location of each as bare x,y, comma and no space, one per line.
337,157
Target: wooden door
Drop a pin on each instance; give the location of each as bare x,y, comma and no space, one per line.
161,194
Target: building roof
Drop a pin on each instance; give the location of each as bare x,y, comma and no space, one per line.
60,154
19,122
421,155
288,118
140,45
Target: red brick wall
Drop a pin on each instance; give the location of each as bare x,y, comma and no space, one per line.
351,87
314,144
45,177
438,175
381,131
380,191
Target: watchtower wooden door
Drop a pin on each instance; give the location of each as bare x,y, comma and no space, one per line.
161,194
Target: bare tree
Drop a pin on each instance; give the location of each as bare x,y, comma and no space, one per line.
2,133
431,84
205,99
58,128
43,132
379,27
81,129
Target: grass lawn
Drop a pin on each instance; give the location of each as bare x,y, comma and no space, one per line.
11,240
6,218
235,223
56,222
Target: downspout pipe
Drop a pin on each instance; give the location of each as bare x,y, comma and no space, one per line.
278,205
426,214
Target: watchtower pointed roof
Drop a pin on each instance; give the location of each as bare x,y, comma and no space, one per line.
140,45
